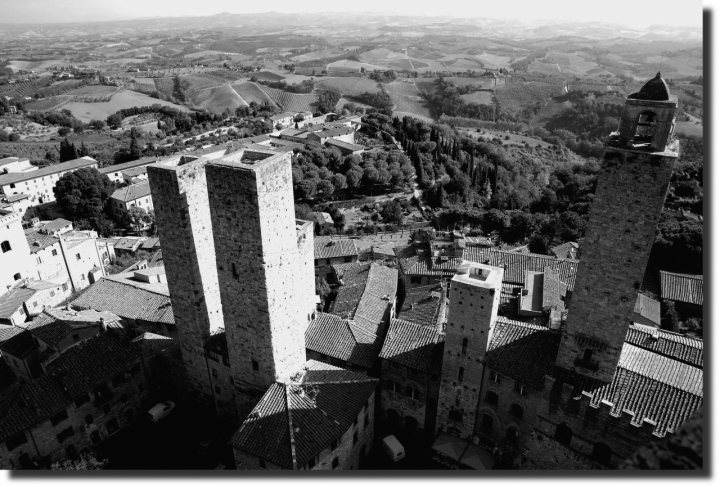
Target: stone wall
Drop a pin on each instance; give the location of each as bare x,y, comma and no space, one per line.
306,267
253,221
183,219
628,201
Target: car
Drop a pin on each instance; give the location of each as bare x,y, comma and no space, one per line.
393,448
160,410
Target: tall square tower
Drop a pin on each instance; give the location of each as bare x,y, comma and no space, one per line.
632,184
260,271
474,300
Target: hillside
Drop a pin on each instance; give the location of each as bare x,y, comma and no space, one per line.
218,99
291,101
250,92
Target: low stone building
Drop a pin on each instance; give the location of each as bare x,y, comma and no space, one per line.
330,251
321,419
134,195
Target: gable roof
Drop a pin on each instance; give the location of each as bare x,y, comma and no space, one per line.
565,251
342,339
328,247
422,305
143,161
16,177
54,324
686,288
367,292
25,404
679,347
39,241
12,300
517,264
132,192
415,346
128,299
524,351
16,341
647,307
295,421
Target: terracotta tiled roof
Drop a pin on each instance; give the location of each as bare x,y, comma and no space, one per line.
516,264
14,299
93,361
54,324
24,405
364,291
16,341
524,351
38,241
342,339
128,300
143,161
686,288
415,346
479,241
294,422
328,247
16,177
648,307
646,384
132,192
680,347
565,251
422,305
426,265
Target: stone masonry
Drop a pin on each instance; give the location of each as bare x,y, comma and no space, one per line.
474,300
628,201
259,271
179,190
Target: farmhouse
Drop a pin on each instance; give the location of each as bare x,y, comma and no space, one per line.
323,220
330,251
135,195
38,184
115,173
345,148
283,120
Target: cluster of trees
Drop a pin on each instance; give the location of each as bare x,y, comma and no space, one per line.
327,100
305,86
446,101
63,118
173,118
83,195
383,76
586,116
380,100
320,171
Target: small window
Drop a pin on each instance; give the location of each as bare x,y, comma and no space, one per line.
520,389
333,445
491,398
17,276
65,287
355,438
35,303
52,294
415,279
59,417
348,259
82,399
367,421
511,436
464,346
16,441
262,463
311,463
112,426
77,256
54,252
255,365
455,415
461,373
89,419
76,337
487,423
335,462
214,373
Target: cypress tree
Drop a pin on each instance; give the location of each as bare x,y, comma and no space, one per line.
67,151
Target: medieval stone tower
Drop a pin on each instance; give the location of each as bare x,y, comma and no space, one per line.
474,301
631,189
180,196
260,270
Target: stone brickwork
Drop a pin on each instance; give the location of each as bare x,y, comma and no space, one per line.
259,271
628,201
474,300
183,219
503,418
306,270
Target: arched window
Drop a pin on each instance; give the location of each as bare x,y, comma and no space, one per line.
512,435
602,454
491,397
464,346
5,246
516,410
461,372
563,434
17,276
645,128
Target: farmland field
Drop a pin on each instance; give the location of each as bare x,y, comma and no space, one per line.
483,97
350,86
47,103
92,90
545,68
464,64
342,101
268,76
318,55
125,99
407,99
346,63
250,92
291,101
401,64
216,100
521,95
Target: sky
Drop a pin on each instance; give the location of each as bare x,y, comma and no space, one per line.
633,13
